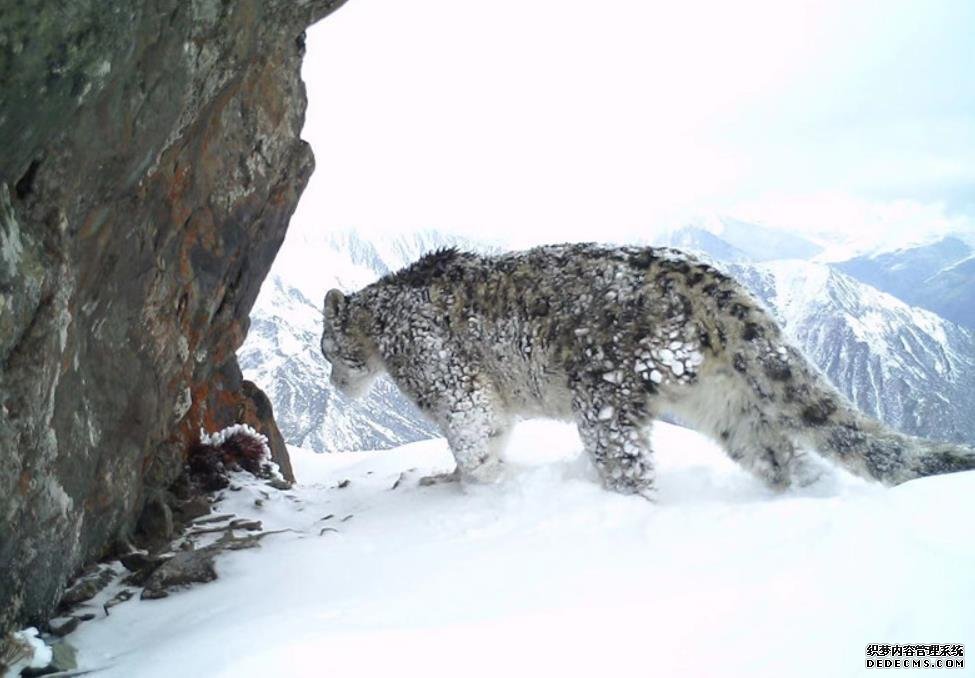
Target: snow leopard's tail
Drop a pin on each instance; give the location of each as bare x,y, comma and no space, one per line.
868,448
762,390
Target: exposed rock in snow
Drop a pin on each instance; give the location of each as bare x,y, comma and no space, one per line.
24,650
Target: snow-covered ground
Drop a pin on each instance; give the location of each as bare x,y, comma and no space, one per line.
546,574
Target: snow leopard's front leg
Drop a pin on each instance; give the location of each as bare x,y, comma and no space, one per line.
472,417
448,384
613,425
476,430
476,433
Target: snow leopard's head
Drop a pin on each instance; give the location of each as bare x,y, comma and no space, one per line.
345,344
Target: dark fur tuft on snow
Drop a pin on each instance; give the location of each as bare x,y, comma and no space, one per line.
209,462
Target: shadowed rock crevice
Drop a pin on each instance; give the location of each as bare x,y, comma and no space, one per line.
151,163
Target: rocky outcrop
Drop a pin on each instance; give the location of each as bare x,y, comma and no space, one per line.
151,162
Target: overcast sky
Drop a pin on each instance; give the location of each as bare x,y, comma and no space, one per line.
546,120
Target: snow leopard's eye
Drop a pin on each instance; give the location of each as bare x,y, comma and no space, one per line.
330,344
341,348
328,348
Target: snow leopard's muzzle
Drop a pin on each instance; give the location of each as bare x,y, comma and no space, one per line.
350,383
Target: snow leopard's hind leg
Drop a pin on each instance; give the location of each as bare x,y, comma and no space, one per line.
614,426
747,425
759,445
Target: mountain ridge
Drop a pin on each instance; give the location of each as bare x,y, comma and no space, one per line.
938,276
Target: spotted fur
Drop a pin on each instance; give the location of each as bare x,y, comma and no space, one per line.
610,338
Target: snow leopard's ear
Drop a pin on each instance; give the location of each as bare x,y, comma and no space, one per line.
334,303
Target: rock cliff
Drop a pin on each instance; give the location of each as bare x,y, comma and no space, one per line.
151,161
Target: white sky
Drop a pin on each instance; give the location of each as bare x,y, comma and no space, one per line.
547,120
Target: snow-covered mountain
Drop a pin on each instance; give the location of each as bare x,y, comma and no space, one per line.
904,365
732,240
939,276
282,353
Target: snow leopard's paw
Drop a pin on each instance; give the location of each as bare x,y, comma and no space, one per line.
488,472
440,478
639,487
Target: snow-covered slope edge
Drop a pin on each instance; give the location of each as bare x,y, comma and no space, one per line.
548,574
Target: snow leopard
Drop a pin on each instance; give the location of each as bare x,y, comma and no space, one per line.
610,338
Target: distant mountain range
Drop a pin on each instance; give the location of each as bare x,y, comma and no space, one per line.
905,365
731,240
939,277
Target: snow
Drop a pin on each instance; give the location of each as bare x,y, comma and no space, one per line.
546,573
